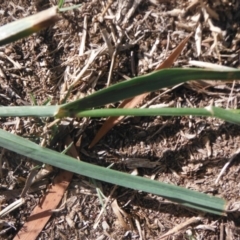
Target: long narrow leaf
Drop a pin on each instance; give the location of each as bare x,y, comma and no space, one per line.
28,111
229,115
117,92
181,195
142,84
232,116
26,26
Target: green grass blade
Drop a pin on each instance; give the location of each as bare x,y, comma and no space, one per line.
33,99
69,8
61,3
27,111
26,26
177,194
48,100
228,115
142,84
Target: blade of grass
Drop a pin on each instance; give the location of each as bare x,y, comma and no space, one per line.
61,3
33,99
26,26
28,111
131,103
69,8
141,84
174,193
232,116
117,92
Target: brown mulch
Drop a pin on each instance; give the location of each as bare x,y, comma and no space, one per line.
185,151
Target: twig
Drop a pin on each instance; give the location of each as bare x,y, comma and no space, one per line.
167,47
106,39
154,47
131,11
230,95
104,207
111,67
84,35
227,165
93,55
29,181
221,232
100,17
208,65
12,207
139,229
181,226
133,64
1,156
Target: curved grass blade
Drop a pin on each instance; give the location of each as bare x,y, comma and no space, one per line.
26,26
174,193
142,84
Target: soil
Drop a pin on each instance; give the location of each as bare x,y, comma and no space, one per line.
185,151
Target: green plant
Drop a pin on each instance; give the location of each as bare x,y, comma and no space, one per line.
126,89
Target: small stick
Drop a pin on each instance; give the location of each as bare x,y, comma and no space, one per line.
84,35
29,181
227,165
131,10
221,232
106,39
12,207
167,47
154,47
1,156
111,67
133,64
230,95
181,226
104,207
92,56
100,17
